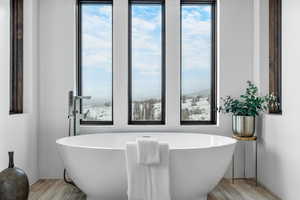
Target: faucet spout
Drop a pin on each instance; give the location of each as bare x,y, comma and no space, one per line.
82,97
75,112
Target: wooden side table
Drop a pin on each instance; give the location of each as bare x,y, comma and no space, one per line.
245,139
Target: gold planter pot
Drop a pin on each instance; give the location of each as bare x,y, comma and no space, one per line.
243,126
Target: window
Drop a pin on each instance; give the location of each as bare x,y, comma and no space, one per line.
16,68
95,60
146,68
275,53
146,62
198,66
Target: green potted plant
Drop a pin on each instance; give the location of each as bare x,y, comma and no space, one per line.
245,108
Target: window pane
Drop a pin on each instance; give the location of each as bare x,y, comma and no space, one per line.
96,55
196,62
146,62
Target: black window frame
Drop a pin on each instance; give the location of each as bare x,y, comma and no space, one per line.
79,56
213,101
163,64
275,53
16,57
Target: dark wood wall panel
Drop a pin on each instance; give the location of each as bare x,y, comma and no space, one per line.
275,61
16,70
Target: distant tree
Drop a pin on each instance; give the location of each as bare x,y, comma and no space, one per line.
198,98
158,116
145,110
183,99
185,114
197,111
149,109
209,98
136,110
194,103
107,104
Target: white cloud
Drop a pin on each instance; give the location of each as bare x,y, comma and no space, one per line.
207,9
147,69
194,85
196,41
97,60
144,34
96,25
193,26
92,42
97,40
146,42
140,24
106,11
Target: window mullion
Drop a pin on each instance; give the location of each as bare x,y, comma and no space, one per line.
172,63
120,62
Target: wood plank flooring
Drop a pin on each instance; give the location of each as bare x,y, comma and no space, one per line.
242,190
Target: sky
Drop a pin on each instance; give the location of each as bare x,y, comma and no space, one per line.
146,50
196,48
97,51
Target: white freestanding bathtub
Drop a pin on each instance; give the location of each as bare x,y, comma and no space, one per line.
97,164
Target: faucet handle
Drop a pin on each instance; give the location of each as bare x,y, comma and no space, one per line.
86,114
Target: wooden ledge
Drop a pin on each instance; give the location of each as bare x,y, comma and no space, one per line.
244,138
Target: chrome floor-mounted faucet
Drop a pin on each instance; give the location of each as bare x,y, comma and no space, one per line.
74,114
74,117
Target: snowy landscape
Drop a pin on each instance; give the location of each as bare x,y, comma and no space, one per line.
101,111
194,107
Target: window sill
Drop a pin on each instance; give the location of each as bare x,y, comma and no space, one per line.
88,129
18,115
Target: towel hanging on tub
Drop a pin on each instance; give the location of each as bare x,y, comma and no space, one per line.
148,175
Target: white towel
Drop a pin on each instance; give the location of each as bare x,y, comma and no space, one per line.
148,182
148,151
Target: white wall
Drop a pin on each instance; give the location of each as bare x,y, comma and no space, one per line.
19,132
57,69
279,155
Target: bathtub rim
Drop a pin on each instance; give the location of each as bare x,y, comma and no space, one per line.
229,141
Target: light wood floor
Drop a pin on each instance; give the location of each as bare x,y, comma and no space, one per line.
241,190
